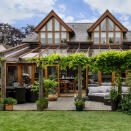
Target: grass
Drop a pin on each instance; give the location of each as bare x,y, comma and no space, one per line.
64,121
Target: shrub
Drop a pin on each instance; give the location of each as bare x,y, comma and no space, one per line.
42,101
79,103
10,101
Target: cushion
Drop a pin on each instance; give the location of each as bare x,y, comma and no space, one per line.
125,89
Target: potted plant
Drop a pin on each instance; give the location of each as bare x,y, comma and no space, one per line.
1,104
42,103
114,95
79,105
51,87
84,98
9,102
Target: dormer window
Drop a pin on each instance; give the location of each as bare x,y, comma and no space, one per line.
107,32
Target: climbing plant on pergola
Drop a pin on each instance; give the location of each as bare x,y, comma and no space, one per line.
113,61
78,61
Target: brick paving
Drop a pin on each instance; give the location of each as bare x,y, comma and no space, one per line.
65,103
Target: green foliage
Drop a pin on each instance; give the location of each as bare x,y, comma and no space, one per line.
10,101
128,79
126,104
84,98
1,101
42,101
50,86
114,95
35,87
79,103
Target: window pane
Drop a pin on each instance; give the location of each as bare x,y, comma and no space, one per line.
110,37
117,28
49,37
103,25
96,37
56,25
42,37
103,37
57,38
63,37
95,52
110,25
49,25
118,37
43,28
62,28
97,28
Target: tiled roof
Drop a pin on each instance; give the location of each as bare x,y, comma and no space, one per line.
80,30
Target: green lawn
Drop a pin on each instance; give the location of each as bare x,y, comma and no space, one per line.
64,121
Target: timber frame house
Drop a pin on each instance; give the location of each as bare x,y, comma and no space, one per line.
53,35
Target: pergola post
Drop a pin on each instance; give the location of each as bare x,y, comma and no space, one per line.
3,79
79,82
41,90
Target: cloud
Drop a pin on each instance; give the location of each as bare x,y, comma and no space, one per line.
12,10
118,6
90,20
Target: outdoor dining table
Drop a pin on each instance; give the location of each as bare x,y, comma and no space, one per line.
64,84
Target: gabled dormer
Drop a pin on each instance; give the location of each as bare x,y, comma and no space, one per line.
107,30
52,30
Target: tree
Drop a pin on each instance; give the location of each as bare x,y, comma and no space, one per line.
9,35
28,29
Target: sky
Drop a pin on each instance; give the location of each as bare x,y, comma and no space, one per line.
19,13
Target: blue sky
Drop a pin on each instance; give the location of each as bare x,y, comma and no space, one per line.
22,12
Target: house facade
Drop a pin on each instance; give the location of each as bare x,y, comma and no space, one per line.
53,35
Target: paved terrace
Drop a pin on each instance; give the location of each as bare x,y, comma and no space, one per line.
65,103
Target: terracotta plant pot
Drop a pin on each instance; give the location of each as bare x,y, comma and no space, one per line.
9,107
52,97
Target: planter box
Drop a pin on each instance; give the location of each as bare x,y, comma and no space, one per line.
9,107
42,107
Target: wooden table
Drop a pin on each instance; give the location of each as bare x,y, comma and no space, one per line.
64,84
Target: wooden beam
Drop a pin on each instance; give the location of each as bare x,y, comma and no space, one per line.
87,77
113,78
3,79
33,74
58,70
19,71
99,78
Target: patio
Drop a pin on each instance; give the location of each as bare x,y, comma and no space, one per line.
65,103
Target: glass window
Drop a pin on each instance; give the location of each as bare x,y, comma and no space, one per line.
49,37
103,37
50,51
57,38
106,79
58,51
63,28
49,25
103,25
103,50
42,37
110,25
43,28
26,74
118,37
117,28
63,37
110,37
95,52
97,28
96,37
57,25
